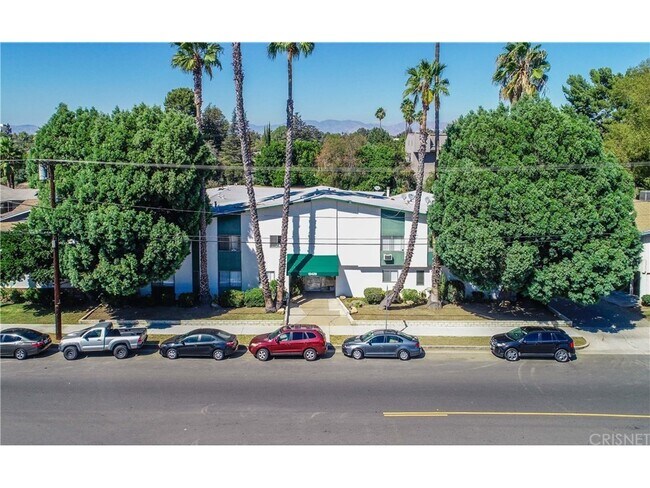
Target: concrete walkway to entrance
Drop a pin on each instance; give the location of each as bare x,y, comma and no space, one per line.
322,309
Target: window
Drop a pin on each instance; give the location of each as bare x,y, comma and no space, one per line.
392,244
298,336
193,339
311,335
394,339
207,338
532,338
270,275
275,241
559,337
229,243
377,340
419,278
283,337
546,337
93,334
389,275
230,279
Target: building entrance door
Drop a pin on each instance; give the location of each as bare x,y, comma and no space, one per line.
319,283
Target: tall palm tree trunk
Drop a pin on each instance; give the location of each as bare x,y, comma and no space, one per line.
242,129
399,285
204,282
284,231
436,266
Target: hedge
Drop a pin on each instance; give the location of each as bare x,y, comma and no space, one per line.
645,300
374,296
231,298
254,297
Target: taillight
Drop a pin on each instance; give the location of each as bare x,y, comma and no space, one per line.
141,339
230,344
571,345
39,344
417,344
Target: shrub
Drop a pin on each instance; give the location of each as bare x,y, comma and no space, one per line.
374,296
478,297
455,291
231,298
17,296
186,300
297,286
410,295
254,297
357,303
645,300
5,295
39,296
273,285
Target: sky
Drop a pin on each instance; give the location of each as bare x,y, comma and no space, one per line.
342,81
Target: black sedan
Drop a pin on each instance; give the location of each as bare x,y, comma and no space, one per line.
213,343
385,343
21,343
533,342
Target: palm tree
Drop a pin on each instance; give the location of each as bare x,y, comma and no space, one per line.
521,70
242,130
195,58
292,50
408,112
440,87
8,156
380,114
418,85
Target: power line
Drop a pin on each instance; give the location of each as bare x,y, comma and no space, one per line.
300,169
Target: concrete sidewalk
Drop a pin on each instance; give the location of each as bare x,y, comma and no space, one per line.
628,341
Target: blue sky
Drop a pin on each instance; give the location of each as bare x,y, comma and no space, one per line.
339,81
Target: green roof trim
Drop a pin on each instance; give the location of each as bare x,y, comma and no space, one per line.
310,265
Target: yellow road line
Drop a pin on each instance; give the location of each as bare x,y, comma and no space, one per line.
530,414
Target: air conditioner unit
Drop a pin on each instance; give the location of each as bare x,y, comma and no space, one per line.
388,257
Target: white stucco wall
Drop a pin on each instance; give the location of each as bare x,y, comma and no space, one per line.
644,267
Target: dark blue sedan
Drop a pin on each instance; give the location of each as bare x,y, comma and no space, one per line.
384,343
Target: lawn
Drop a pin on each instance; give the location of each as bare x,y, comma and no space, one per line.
26,313
179,313
523,310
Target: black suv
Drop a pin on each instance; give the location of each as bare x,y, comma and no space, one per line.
533,342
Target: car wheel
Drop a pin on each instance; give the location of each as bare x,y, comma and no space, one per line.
404,355
262,354
218,354
357,354
20,354
511,354
121,351
310,354
70,353
171,353
561,355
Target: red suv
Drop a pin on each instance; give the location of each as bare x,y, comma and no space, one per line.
307,341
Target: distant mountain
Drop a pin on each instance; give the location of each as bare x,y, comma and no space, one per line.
345,126
30,129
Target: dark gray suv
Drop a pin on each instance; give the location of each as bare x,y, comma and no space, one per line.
382,343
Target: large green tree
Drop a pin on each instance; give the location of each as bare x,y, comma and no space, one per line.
120,226
292,50
527,201
628,136
25,252
181,99
521,70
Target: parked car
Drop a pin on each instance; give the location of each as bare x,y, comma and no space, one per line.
103,337
533,342
382,343
307,341
213,343
21,343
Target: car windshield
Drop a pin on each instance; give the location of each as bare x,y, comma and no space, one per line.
275,333
223,335
367,336
516,334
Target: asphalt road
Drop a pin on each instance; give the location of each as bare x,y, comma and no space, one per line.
147,399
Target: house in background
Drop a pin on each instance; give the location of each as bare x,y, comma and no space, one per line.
339,241
15,205
412,148
641,282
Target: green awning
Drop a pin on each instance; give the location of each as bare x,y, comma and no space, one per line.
309,265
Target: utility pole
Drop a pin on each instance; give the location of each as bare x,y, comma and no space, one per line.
55,253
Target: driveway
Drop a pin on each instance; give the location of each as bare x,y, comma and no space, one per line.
320,309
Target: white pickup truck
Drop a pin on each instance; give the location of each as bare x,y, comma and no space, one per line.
103,337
